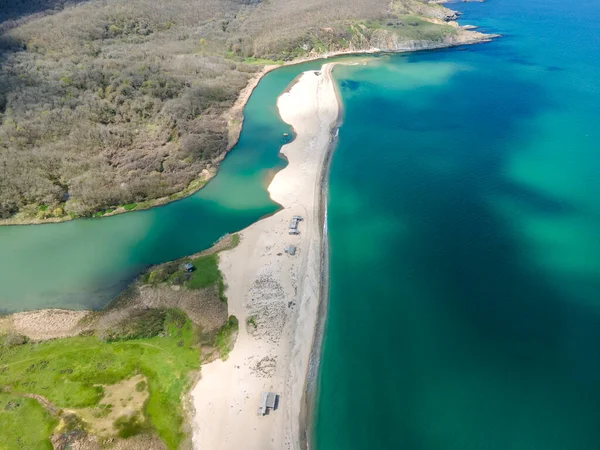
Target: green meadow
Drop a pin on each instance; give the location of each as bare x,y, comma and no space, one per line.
70,373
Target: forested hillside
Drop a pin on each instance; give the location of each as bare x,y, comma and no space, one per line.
110,102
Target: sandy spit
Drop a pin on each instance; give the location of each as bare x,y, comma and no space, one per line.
278,292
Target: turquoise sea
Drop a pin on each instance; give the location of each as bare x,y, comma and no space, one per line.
464,223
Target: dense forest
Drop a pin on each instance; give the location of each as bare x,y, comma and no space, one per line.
109,102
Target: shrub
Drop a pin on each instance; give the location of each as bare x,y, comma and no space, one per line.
141,325
13,340
128,426
225,336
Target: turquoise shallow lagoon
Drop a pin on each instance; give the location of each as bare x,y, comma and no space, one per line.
464,222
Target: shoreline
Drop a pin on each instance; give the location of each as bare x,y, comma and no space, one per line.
309,396
282,294
235,119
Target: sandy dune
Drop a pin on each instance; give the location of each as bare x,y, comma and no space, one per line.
280,292
46,323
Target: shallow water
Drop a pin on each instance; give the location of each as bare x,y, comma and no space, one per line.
85,263
464,221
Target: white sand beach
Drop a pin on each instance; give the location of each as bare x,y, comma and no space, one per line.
278,291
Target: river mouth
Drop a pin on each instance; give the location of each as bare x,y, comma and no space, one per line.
84,264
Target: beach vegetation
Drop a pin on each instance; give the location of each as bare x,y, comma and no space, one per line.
24,423
142,324
251,322
235,240
75,373
128,426
129,206
206,272
226,337
13,340
102,213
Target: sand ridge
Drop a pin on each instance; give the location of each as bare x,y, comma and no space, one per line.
279,292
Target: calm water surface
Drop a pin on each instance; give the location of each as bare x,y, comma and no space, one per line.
464,220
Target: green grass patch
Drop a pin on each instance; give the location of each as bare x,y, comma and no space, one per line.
24,423
129,206
224,338
68,372
235,240
221,286
101,213
129,426
193,187
206,272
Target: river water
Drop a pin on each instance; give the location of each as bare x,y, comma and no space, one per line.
464,221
